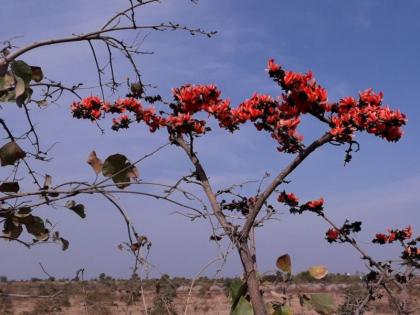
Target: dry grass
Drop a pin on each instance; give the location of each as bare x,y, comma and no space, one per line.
109,297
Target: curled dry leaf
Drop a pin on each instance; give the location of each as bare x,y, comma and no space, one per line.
78,208
135,247
64,244
47,181
37,74
95,162
318,272
20,87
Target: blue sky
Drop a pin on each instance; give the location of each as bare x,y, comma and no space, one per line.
349,45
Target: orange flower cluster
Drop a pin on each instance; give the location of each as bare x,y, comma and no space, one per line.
289,199
94,108
394,235
279,117
347,116
367,114
88,108
292,201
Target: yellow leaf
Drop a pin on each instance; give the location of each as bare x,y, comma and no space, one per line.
284,263
318,272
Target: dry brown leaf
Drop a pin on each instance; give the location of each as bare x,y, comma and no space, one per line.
95,162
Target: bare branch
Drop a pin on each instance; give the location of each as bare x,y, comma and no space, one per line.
279,179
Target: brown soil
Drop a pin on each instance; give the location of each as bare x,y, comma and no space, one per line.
108,297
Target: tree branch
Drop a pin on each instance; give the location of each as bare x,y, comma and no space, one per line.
278,180
202,177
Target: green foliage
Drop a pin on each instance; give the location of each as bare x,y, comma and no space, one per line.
10,153
10,187
322,303
242,307
103,277
238,296
284,310
12,227
35,226
14,82
120,169
165,294
237,289
22,70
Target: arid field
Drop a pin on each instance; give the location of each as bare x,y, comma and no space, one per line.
170,295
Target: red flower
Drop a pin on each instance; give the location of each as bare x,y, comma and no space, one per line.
289,199
332,235
408,232
346,104
315,204
392,236
279,117
272,66
381,238
291,78
95,113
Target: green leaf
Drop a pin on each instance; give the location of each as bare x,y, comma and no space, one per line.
10,153
37,74
6,82
79,209
7,96
322,303
7,88
35,226
284,310
237,289
120,169
53,194
23,212
284,263
11,228
3,68
10,187
21,69
243,307
136,89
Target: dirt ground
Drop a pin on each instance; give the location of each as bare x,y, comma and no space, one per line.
108,297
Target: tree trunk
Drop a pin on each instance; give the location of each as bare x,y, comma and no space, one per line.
252,281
